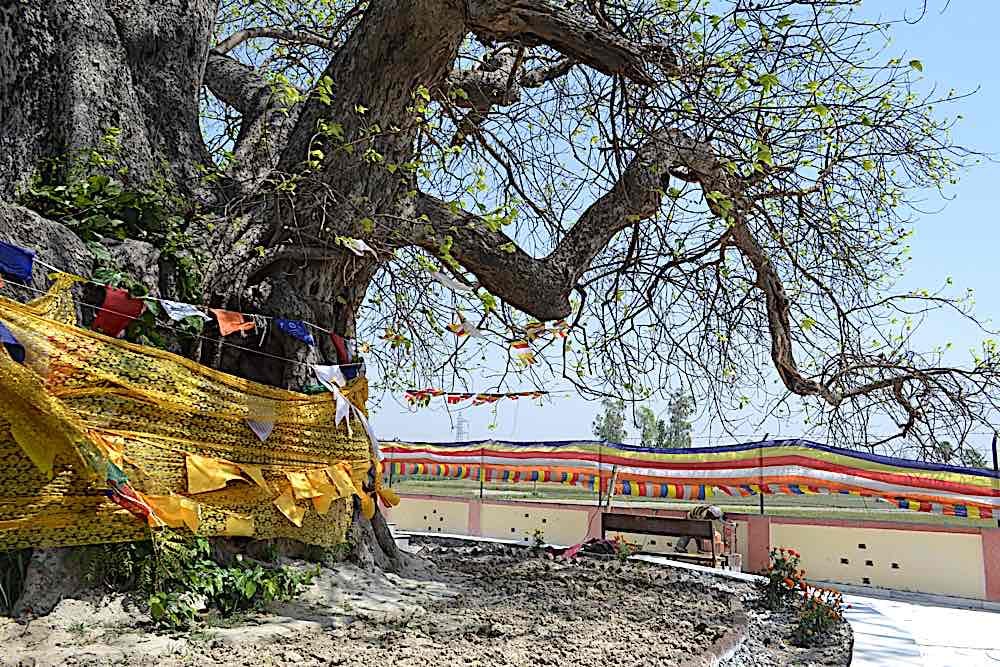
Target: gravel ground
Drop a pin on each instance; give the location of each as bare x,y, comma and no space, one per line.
462,606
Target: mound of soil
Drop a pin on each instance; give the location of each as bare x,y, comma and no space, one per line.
468,606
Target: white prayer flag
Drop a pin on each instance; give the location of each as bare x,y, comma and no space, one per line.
262,429
330,377
177,311
450,282
357,246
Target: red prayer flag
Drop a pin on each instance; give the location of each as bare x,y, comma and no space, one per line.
117,312
341,347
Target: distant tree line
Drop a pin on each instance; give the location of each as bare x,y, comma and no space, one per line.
671,431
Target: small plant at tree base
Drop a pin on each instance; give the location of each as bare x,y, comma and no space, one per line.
171,610
822,609
174,571
13,568
782,579
623,548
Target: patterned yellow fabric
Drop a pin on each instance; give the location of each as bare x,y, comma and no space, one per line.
83,402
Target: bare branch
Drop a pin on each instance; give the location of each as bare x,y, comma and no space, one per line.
283,34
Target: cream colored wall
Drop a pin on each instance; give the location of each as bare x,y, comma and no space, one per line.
927,562
743,542
509,522
434,516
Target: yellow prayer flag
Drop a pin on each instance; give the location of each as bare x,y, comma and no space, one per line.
302,487
255,473
341,478
239,526
286,504
173,511
207,474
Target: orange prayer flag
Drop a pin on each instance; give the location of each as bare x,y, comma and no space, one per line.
231,322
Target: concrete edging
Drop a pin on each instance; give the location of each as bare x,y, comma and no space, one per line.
725,647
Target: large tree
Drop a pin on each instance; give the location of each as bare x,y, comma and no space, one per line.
716,191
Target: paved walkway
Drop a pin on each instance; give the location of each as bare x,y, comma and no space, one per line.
898,632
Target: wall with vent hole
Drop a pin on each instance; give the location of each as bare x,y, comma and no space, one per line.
943,563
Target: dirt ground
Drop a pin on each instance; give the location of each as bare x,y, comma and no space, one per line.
462,606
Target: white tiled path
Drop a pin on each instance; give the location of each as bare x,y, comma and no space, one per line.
898,632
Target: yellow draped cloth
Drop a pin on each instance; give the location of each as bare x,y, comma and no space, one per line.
89,420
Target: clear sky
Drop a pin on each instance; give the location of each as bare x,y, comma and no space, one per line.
957,45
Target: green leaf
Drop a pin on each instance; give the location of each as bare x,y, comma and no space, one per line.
807,323
867,165
767,81
917,65
821,110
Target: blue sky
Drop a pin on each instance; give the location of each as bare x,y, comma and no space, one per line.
957,48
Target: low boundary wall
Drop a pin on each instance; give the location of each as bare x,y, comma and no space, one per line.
940,560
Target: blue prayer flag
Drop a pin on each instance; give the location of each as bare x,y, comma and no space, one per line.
14,348
296,329
16,262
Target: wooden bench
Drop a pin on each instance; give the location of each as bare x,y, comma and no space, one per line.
668,527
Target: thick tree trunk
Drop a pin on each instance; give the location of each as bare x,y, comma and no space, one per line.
70,70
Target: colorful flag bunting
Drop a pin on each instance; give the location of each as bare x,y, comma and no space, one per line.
178,311
533,330
523,351
11,344
464,328
16,262
422,396
296,329
231,322
117,312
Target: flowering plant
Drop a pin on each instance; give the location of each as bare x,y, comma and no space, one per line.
783,579
822,609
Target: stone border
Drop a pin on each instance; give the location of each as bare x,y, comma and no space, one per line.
725,647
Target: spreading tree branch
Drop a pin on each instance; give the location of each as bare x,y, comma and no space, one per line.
575,34
265,121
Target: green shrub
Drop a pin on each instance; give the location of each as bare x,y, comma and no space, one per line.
782,579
